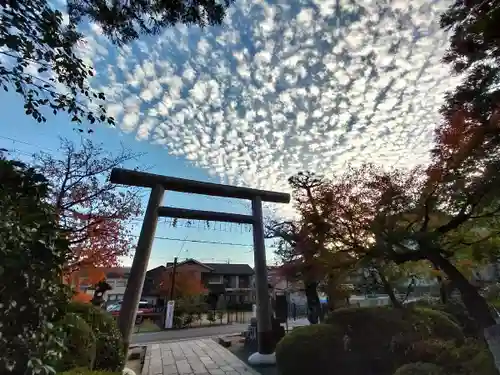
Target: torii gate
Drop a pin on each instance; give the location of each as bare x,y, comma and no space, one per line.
159,184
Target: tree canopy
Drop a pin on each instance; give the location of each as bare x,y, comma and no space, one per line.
32,254
93,212
39,47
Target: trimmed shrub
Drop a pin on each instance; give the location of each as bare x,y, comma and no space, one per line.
476,359
110,354
439,324
457,312
377,338
420,368
471,358
315,349
80,343
85,371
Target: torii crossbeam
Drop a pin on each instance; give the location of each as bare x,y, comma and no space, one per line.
159,184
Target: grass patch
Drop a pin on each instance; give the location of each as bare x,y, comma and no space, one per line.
147,325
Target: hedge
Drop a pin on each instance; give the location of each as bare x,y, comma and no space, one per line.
79,342
420,368
309,350
109,342
85,371
363,340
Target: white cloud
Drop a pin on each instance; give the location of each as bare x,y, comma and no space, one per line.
287,87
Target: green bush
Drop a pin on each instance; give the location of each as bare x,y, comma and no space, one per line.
471,358
315,349
109,342
420,368
434,351
438,324
457,311
211,316
80,343
85,371
375,339
32,254
476,359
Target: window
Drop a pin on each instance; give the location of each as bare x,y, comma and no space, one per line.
121,283
214,279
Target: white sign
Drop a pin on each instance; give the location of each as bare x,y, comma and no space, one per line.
169,316
254,310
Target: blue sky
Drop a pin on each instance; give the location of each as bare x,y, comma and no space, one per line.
281,87
31,137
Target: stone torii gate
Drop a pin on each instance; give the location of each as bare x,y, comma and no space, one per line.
154,210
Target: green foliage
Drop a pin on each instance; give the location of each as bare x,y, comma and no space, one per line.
435,351
80,343
437,324
472,357
457,311
314,349
123,22
109,342
210,316
481,363
220,315
33,35
85,371
32,254
382,334
420,368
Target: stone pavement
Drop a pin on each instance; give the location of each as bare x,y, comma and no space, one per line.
200,357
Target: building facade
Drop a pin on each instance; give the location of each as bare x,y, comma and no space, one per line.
232,281
116,277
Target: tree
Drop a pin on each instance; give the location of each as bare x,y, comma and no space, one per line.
32,254
40,61
471,112
126,21
89,276
401,217
93,212
303,246
186,284
41,64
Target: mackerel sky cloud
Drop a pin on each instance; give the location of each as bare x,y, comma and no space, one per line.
285,86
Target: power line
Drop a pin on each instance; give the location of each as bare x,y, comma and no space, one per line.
199,241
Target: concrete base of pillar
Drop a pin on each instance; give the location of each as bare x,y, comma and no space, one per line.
127,371
262,359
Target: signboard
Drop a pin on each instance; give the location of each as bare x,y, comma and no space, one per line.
169,316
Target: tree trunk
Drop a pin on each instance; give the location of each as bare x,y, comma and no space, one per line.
313,303
389,290
476,305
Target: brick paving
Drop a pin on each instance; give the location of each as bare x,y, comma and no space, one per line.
193,357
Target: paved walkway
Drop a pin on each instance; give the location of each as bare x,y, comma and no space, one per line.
188,333
200,357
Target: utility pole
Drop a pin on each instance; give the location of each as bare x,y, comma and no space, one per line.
172,287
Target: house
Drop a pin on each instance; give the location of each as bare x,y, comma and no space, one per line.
233,281
116,277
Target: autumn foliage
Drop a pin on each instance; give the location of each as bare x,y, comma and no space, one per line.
88,276
187,284
95,214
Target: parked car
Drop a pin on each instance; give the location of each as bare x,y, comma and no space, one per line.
144,308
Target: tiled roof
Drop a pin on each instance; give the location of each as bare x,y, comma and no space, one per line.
116,272
222,268
231,268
